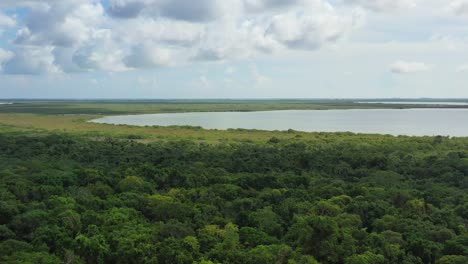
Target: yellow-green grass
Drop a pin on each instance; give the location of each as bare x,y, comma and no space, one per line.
114,107
74,116
78,124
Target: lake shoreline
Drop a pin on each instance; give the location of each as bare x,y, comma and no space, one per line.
397,122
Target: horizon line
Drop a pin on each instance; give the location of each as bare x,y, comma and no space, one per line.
249,99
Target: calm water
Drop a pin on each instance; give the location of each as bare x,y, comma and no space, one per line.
417,122
414,103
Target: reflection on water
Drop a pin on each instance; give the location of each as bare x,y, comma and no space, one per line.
417,122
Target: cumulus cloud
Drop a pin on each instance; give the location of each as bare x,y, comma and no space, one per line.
31,60
194,11
64,59
127,8
406,67
293,28
92,58
384,5
102,53
62,36
173,33
459,7
148,56
262,5
297,30
229,40
81,35
6,21
24,3
65,23
209,55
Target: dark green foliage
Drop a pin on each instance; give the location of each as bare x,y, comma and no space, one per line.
66,199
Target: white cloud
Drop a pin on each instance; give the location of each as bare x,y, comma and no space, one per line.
23,3
384,5
100,58
64,59
101,54
262,5
212,54
4,57
66,23
127,8
6,21
406,67
88,35
297,30
459,7
31,60
230,40
169,32
193,11
462,68
81,36
304,25
62,27
148,56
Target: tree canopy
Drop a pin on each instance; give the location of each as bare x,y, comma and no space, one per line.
68,199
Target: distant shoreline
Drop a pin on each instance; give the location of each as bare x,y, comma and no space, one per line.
361,100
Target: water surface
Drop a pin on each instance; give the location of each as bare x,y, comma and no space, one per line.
431,103
414,122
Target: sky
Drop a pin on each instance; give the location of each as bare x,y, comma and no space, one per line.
233,49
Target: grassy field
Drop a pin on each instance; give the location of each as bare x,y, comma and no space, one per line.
119,107
30,123
115,107
73,116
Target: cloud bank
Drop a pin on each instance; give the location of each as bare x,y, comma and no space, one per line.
384,5
86,35
70,36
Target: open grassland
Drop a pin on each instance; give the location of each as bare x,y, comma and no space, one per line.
73,116
78,125
150,107
120,107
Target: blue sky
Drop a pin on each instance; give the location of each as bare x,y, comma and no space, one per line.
233,48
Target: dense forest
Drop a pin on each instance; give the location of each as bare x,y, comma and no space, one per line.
68,199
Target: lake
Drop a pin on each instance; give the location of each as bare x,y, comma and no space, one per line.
413,122
431,103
